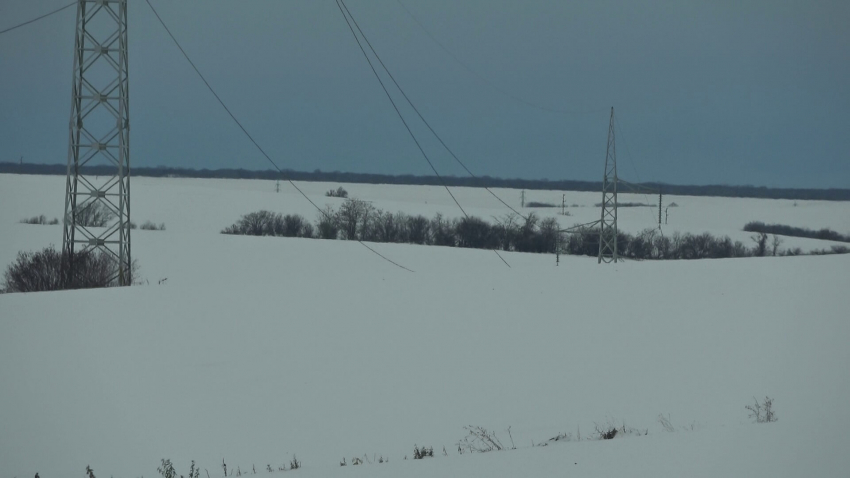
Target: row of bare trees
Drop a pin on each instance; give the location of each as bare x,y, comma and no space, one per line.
360,220
356,219
825,233
652,244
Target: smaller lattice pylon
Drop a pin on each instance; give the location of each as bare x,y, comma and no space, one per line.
608,222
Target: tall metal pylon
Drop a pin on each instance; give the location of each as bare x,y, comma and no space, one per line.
608,223
99,136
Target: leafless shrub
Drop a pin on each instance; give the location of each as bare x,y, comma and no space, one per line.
561,437
166,469
762,412
94,214
42,271
337,193
606,432
610,430
267,223
194,471
40,220
150,226
479,440
420,453
665,423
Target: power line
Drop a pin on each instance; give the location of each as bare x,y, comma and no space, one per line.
341,5
489,83
443,143
38,18
248,135
634,168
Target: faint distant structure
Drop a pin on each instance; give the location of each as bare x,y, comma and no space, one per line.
608,222
99,135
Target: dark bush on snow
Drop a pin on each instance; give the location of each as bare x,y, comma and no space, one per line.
43,270
40,220
150,226
337,193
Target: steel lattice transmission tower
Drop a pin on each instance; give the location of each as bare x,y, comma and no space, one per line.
608,223
99,137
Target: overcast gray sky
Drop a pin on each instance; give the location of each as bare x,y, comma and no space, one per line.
731,92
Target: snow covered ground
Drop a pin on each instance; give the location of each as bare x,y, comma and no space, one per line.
257,349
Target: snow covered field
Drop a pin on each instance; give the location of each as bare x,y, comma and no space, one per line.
255,349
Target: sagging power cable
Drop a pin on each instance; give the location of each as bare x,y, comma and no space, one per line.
344,9
643,189
415,109
38,18
251,138
489,83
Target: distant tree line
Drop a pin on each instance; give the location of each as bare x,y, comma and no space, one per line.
359,220
652,244
480,181
781,229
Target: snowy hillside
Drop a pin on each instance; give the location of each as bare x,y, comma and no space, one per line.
256,349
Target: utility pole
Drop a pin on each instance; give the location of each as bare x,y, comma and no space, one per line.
659,206
608,222
522,195
277,187
99,135
563,204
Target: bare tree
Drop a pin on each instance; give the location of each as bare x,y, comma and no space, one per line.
388,226
549,228
506,230
327,226
353,217
760,248
775,243
417,229
442,231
